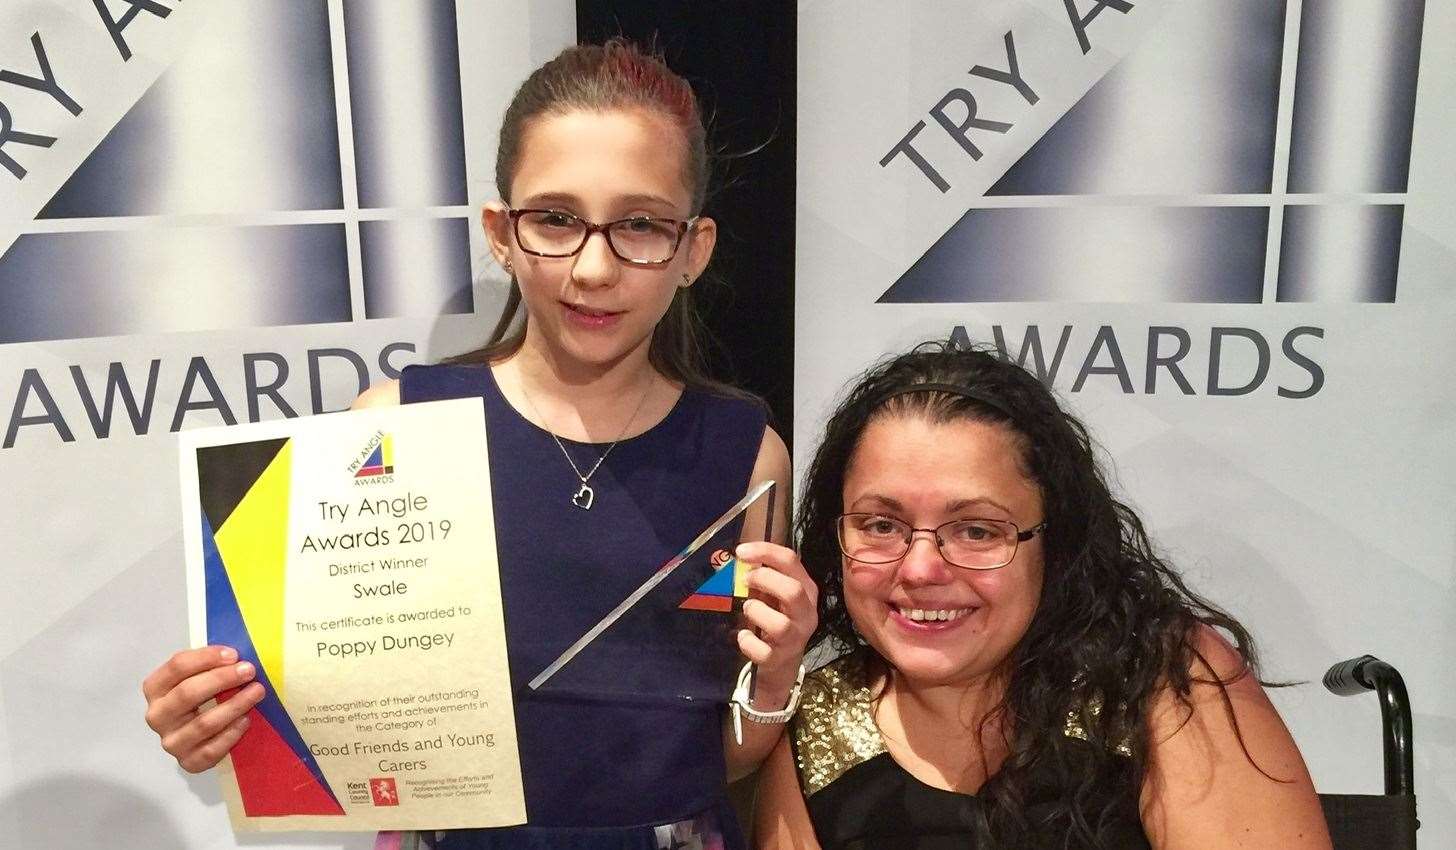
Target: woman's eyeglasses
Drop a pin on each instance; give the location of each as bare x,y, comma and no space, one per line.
975,544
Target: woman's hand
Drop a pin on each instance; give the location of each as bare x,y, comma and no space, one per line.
176,692
781,614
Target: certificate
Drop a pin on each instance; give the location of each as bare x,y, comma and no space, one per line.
351,558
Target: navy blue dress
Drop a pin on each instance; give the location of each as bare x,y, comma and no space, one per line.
603,774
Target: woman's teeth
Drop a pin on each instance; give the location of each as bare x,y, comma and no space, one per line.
923,615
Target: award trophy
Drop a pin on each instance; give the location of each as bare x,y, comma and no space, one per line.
672,638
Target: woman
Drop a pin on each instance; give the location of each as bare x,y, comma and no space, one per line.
609,449
1020,670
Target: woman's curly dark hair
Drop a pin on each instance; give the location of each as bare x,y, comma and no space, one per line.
1114,625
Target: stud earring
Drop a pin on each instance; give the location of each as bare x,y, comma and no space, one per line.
687,281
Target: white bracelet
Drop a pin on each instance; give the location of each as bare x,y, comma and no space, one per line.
742,706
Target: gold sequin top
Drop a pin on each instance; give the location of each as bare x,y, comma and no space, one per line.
834,729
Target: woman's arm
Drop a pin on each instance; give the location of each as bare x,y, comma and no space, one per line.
1205,788
780,818
781,614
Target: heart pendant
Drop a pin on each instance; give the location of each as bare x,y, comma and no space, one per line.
583,497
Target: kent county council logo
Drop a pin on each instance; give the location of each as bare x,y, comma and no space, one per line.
382,790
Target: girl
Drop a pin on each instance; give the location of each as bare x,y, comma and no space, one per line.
608,445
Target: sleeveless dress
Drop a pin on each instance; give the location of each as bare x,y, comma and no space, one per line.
602,774
860,798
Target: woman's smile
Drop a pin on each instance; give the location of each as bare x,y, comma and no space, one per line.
930,621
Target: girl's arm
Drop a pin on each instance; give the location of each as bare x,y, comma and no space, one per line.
1203,788
780,617
780,818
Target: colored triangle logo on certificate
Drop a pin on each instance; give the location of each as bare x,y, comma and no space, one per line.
380,461
728,583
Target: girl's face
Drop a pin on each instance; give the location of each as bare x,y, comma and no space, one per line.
937,623
593,308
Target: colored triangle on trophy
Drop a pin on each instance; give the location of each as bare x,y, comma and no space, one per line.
718,593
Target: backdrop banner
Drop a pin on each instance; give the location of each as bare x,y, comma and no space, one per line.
210,213
1224,233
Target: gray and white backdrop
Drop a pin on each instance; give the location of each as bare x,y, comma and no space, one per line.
1225,233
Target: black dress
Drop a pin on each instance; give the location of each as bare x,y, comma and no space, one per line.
859,798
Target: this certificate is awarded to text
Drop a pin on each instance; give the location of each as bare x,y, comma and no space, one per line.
351,558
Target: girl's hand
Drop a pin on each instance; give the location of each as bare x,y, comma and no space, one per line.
781,614
176,692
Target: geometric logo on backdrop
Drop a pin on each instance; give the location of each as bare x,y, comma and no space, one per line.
1158,185
222,199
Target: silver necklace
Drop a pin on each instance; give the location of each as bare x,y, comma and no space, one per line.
585,495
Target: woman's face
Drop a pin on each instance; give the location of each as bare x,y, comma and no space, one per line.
927,474
601,166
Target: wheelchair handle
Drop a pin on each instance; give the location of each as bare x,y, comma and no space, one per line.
1367,673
